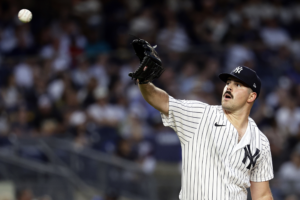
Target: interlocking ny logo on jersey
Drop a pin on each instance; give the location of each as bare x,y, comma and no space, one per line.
238,70
252,158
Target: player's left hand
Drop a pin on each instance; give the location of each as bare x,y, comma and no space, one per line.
150,67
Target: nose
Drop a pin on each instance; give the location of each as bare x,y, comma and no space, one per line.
229,87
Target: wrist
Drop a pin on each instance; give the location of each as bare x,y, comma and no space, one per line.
142,82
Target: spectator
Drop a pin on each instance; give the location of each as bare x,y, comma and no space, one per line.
10,93
81,75
273,35
99,70
125,150
21,126
24,75
101,112
290,173
173,37
143,23
47,118
24,194
288,116
95,45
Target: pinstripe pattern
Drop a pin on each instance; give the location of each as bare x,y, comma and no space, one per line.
212,166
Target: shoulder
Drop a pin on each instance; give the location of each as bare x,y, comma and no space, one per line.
261,138
187,103
215,109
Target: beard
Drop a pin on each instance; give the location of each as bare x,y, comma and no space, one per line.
227,106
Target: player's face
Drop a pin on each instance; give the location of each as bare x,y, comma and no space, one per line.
235,95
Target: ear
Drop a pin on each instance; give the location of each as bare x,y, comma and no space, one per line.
252,96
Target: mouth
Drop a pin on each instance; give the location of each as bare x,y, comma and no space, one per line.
227,96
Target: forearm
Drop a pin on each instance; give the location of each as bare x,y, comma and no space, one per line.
261,191
268,197
156,97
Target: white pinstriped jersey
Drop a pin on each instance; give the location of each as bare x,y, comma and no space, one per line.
214,164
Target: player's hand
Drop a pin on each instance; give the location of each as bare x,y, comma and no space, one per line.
150,67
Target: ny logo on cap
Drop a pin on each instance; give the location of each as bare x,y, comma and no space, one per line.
237,70
254,85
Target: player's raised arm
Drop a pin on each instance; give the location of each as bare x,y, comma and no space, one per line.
150,68
156,97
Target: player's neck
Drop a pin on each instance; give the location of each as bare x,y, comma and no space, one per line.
238,119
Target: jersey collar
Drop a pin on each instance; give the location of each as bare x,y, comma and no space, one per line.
245,139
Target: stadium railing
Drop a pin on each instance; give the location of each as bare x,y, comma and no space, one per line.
55,167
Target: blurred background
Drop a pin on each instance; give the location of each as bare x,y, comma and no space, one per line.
74,126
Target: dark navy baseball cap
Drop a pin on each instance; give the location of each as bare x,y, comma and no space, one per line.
246,76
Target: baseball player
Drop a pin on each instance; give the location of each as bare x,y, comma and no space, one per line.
223,151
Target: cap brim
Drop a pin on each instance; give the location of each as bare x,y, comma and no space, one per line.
224,77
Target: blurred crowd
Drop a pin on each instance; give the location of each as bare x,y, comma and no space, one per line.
65,74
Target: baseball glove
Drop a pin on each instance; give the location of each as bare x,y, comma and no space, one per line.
148,58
